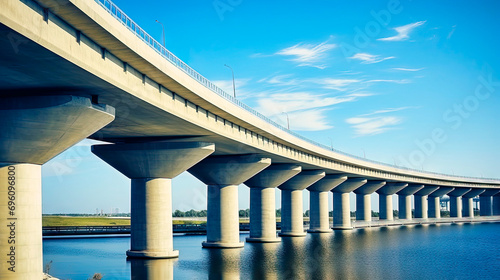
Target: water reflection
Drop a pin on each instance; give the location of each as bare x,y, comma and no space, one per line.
264,260
151,269
319,256
292,258
224,263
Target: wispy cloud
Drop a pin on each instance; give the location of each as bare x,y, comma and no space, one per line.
305,110
373,123
336,84
308,54
408,69
403,81
280,80
403,32
367,58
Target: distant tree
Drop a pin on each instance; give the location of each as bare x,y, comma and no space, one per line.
306,214
278,212
375,214
244,213
353,214
178,213
395,213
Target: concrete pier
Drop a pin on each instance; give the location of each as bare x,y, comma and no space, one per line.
319,220
33,130
363,200
421,201
151,269
486,202
292,219
496,205
468,202
151,166
262,200
404,200
341,202
385,199
456,201
222,175
434,201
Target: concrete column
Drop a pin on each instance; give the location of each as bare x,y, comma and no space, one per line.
35,129
468,202
385,199
404,200
319,220
421,201
363,200
456,201
496,205
434,199
486,202
151,166
341,202
262,200
292,219
223,174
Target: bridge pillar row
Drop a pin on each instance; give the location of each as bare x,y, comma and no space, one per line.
262,200
434,201
363,200
34,130
456,201
341,202
496,204
222,175
385,199
486,202
292,213
319,220
468,202
404,200
421,201
151,167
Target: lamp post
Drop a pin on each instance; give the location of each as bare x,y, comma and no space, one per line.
287,120
232,72
163,31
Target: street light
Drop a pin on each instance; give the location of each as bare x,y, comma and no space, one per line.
232,72
364,154
331,143
287,120
163,31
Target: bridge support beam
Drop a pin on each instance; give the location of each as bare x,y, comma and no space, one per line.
318,202
363,200
486,202
292,213
385,199
151,166
341,202
456,201
421,201
262,201
434,201
496,204
223,174
468,202
404,200
34,130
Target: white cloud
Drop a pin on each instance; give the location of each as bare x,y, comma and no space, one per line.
280,80
305,110
374,125
408,69
336,84
403,81
308,54
403,32
367,58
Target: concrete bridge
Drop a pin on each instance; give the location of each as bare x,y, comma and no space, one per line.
71,69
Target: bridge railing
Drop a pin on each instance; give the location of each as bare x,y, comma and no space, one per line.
149,40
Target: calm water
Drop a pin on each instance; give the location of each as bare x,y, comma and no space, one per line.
467,251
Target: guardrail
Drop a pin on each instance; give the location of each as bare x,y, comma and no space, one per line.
149,40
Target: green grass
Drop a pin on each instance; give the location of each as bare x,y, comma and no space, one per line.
54,221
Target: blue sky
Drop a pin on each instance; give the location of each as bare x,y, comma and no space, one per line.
412,83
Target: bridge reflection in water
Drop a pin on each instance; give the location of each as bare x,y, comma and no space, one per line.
406,252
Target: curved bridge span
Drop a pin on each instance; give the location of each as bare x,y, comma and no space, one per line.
72,69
